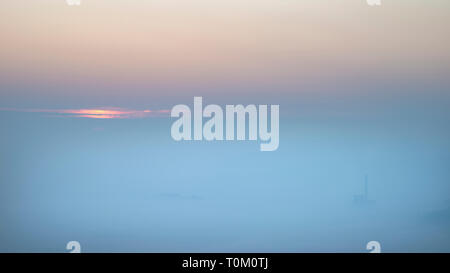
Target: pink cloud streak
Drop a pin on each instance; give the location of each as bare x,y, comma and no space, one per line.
97,113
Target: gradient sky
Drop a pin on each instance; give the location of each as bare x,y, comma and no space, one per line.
129,51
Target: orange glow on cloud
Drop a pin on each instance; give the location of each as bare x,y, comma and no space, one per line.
97,113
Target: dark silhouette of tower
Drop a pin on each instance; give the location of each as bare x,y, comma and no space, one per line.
366,190
363,199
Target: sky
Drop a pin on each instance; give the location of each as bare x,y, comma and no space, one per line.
131,52
86,152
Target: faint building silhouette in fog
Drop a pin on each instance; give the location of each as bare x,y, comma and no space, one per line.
363,199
